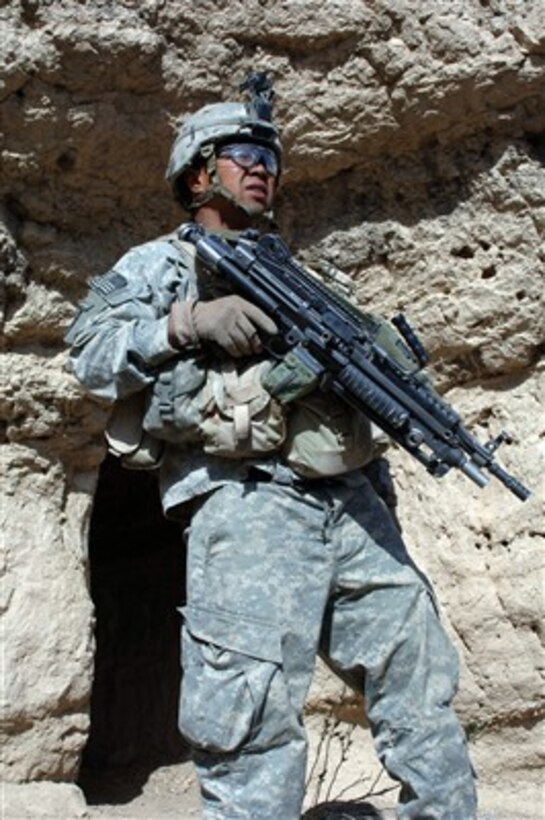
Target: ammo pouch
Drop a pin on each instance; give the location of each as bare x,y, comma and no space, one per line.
227,411
326,437
173,412
126,438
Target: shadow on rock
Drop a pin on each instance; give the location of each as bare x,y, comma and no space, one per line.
113,787
341,810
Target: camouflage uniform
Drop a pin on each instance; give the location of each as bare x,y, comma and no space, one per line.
280,568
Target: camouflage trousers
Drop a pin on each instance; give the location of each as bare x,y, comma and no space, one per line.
277,574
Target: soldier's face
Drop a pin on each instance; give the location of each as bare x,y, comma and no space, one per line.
249,176
253,186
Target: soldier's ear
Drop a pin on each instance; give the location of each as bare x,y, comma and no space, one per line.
197,180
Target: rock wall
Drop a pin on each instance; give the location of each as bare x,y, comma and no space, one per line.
415,152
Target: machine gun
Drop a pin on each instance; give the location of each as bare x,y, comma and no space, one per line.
378,373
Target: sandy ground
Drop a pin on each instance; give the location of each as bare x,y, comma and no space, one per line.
171,791
342,794
166,792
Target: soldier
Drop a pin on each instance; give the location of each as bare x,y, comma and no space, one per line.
291,552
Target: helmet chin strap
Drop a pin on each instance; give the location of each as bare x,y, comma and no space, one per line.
217,189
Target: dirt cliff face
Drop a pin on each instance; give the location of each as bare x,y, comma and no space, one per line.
415,150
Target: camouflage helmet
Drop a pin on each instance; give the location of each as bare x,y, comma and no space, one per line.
224,122
217,123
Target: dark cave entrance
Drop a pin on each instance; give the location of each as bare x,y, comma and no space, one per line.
137,583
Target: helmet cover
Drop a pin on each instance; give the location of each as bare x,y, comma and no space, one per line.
224,122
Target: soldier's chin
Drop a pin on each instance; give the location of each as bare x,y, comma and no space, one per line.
254,209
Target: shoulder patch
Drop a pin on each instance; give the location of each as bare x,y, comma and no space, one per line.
108,283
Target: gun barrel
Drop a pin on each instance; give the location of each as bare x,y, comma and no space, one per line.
472,471
509,481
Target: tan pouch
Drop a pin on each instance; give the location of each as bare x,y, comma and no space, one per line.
239,418
126,438
326,437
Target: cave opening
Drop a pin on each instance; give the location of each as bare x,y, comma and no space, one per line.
137,583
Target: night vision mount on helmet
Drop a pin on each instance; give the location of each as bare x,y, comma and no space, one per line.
220,123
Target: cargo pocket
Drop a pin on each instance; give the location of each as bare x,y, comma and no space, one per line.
228,663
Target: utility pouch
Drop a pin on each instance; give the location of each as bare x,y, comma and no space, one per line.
174,409
225,410
126,437
290,378
326,437
240,418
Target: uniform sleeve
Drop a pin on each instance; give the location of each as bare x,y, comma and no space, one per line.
119,337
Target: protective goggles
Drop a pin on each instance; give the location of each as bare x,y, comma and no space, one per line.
248,154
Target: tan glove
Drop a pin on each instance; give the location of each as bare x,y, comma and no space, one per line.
230,321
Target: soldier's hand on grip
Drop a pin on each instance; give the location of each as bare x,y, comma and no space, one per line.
230,321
